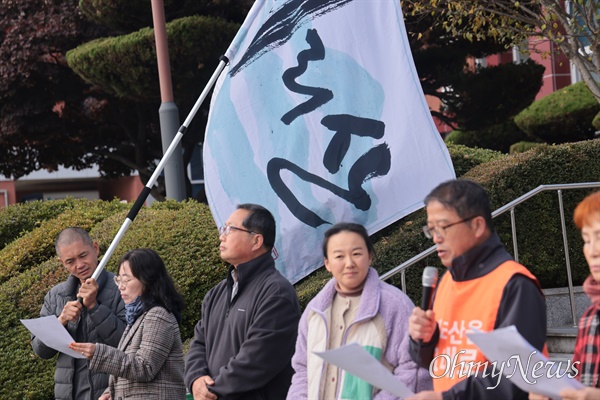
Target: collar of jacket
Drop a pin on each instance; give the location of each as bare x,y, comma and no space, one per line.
480,260
72,284
250,270
369,301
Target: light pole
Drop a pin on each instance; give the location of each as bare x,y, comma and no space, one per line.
168,112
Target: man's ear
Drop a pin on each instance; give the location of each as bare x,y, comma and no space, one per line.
258,241
479,226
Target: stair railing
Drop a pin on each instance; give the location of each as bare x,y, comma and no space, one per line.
401,269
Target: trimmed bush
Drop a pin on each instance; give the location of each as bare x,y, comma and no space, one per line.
563,116
19,219
465,158
539,238
521,147
596,122
126,65
489,96
498,137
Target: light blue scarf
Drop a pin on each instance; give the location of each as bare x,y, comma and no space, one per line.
133,310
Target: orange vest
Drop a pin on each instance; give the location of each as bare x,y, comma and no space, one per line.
461,307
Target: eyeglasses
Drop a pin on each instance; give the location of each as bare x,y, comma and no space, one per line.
227,228
440,231
118,281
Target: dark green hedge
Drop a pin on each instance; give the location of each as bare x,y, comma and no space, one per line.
19,219
497,137
127,67
466,158
523,146
563,116
538,224
128,15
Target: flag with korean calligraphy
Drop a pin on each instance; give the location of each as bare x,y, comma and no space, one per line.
319,117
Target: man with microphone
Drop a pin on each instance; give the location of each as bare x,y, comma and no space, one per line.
483,289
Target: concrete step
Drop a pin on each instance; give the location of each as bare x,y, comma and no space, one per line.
562,358
561,339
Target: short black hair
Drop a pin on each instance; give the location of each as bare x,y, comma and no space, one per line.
260,220
348,227
466,197
158,287
71,235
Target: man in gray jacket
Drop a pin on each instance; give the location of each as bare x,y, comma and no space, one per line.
100,319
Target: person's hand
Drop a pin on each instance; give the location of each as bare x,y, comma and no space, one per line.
70,312
421,324
86,349
88,292
426,395
535,396
587,393
105,396
200,389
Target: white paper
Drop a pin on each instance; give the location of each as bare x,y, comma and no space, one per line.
519,358
357,361
52,333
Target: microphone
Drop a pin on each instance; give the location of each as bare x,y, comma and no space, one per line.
430,278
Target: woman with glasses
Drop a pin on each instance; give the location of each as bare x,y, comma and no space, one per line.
148,363
354,306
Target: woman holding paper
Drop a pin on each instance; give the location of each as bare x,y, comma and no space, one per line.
354,306
148,363
586,358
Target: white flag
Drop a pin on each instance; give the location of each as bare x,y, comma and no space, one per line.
320,118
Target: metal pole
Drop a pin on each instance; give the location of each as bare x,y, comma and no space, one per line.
567,259
168,113
146,191
513,225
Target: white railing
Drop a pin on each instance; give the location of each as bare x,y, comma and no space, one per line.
401,269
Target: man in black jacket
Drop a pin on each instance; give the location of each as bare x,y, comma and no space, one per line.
100,318
483,288
244,342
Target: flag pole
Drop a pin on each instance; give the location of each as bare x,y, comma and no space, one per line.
146,190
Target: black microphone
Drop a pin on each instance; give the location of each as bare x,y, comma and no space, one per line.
430,278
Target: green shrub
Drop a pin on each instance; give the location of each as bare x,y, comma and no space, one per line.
563,116
465,158
539,237
489,96
126,65
19,219
497,137
521,147
596,122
